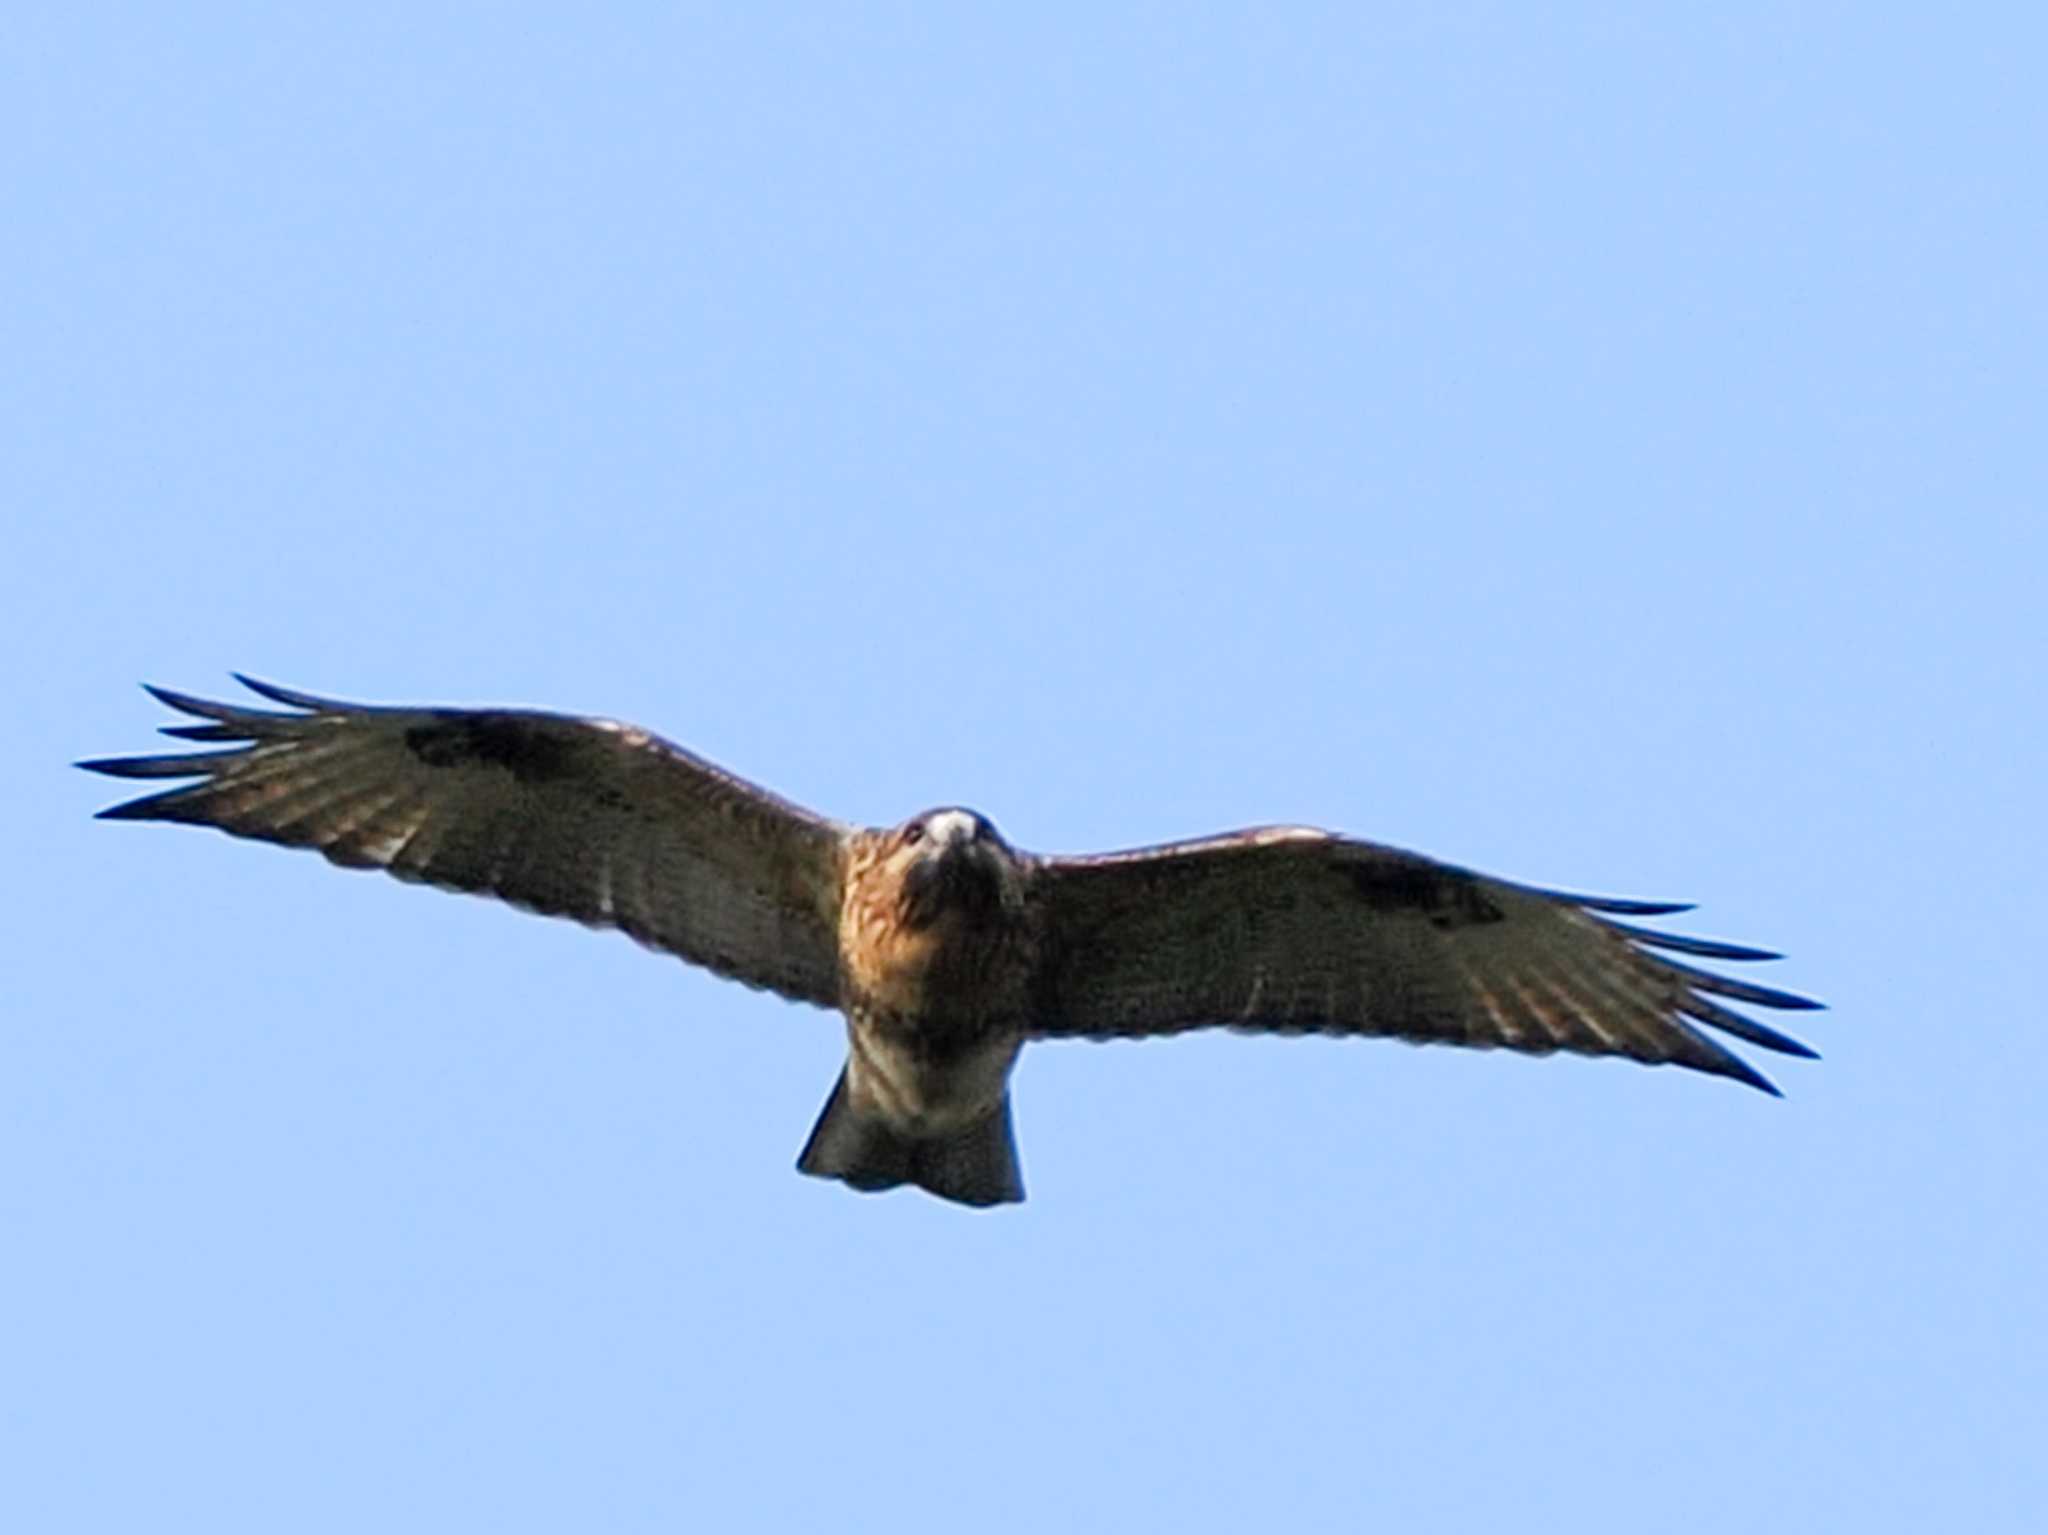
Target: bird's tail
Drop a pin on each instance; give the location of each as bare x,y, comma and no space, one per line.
974,1166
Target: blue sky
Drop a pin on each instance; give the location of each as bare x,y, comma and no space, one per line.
1603,449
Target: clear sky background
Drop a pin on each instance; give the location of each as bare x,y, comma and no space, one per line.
1604,449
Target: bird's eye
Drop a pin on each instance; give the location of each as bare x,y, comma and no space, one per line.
913,834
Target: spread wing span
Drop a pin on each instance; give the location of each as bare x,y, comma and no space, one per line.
569,817
1289,930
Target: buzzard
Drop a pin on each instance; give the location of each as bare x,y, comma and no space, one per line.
945,948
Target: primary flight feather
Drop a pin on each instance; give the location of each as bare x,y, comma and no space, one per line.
945,948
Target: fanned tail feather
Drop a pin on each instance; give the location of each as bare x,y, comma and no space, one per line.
975,1166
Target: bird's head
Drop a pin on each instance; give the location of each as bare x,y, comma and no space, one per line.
953,862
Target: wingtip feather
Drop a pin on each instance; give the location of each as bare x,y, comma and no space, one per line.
188,703
290,697
1706,1010
1706,948
1741,991
1710,1056
1619,906
173,765
148,808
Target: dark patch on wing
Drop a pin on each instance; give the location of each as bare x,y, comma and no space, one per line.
523,747
1448,898
610,796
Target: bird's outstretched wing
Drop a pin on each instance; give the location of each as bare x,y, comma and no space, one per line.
569,817
1290,930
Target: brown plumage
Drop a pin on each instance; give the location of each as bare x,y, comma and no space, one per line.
946,949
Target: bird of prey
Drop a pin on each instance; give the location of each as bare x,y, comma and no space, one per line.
945,948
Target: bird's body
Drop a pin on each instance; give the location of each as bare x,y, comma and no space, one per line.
946,949
936,946
936,1008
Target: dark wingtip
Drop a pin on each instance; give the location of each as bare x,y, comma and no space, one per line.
184,703
1619,907
189,703
1741,991
121,767
174,765
148,808
1784,1044
1678,943
1706,1010
1735,1068
290,697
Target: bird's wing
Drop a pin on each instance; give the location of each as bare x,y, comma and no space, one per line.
1289,930
569,817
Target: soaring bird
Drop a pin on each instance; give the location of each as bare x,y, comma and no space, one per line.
945,948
